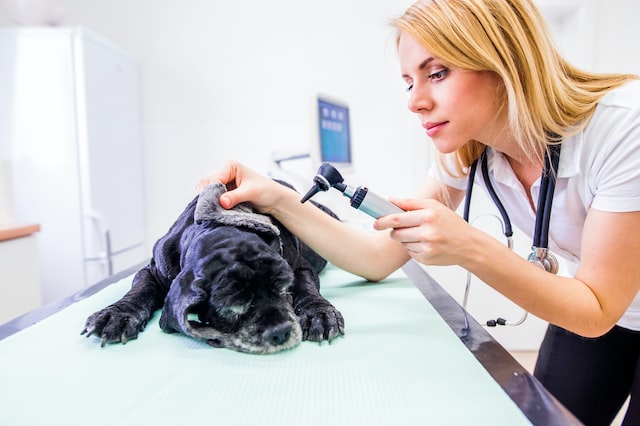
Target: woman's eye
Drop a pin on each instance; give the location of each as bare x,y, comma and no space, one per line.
438,75
433,77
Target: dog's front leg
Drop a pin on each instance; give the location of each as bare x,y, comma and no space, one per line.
319,319
123,320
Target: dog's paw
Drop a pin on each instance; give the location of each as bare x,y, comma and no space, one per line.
119,322
319,320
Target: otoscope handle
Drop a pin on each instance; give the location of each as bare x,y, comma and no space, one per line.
372,204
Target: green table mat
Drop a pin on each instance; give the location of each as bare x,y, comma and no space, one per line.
398,364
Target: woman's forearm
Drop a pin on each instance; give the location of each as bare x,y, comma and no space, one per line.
370,255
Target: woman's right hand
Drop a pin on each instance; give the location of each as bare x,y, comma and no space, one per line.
244,185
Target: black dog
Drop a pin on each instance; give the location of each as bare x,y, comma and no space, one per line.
233,278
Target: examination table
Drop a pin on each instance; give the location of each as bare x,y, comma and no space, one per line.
409,356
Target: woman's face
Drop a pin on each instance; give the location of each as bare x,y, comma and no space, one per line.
454,105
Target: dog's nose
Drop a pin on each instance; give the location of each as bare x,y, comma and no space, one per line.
278,334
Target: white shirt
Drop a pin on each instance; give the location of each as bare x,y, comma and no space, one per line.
599,168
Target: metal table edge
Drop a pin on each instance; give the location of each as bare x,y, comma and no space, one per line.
536,403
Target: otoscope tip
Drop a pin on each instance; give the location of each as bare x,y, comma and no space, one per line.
327,177
313,191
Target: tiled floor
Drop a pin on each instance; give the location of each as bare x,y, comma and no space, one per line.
528,360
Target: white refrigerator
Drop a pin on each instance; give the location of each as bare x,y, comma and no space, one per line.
70,128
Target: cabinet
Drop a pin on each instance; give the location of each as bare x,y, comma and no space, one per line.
20,290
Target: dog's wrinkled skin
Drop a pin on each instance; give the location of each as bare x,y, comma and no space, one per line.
233,278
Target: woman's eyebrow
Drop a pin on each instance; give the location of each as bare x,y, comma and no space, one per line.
422,65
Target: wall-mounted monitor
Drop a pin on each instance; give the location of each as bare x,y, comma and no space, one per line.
332,141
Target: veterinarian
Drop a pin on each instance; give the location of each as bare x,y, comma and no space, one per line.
486,81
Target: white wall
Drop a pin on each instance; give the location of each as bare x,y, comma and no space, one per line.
227,79
233,79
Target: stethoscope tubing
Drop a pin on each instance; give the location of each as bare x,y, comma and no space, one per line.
545,196
508,230
543,217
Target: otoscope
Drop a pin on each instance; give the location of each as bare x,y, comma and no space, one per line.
361,198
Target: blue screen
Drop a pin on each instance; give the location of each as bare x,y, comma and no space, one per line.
335,138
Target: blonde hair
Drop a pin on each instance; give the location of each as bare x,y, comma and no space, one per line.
543,93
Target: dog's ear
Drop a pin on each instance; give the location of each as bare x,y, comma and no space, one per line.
182,297
208,208
184,294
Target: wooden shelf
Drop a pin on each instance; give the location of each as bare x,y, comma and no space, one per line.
17,231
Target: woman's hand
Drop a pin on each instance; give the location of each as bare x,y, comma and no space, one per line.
430,232
244,185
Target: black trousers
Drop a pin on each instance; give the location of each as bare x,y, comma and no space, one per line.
592,377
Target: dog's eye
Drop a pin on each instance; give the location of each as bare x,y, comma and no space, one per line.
282,285
232,312
239,309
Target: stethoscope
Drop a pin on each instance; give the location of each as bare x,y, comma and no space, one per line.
540,255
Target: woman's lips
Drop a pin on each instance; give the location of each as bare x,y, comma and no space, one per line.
433,128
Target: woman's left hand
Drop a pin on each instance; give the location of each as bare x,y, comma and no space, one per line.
430,232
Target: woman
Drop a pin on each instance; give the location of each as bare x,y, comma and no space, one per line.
483,75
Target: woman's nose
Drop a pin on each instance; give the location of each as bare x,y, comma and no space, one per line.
420,100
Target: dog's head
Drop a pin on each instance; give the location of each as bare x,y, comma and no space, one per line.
233,290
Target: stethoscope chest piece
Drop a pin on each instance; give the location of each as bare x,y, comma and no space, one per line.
544,259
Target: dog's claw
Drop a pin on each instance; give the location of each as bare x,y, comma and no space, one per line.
333,333
320,323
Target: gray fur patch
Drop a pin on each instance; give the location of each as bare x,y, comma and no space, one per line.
208,208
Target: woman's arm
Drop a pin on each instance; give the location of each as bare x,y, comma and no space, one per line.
589,304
